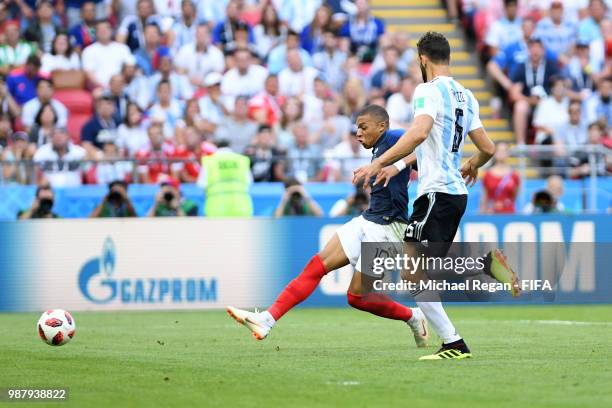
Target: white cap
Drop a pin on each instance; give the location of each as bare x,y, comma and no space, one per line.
213,78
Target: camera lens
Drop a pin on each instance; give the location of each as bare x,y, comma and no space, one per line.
168,196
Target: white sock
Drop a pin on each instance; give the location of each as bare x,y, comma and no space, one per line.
435,314
266,318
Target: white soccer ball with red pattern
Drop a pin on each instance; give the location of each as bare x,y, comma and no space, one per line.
56,327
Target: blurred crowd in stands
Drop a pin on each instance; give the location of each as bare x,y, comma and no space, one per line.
144,88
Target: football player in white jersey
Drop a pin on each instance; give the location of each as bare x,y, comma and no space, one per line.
445,113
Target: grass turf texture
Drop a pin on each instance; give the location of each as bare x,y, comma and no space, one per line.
322,357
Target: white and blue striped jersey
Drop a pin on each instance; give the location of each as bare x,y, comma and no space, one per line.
455,112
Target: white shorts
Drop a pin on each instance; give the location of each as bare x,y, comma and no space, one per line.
359,230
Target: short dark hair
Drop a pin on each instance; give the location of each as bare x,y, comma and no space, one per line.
377,112
43,187
121,183
435,47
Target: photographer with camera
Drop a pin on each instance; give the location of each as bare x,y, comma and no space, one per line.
168,201
354,205
42,207
296,201
116,204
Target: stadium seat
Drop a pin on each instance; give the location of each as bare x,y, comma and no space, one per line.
80,107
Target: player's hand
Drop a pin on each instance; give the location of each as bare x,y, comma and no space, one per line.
469,173
385,175
365,173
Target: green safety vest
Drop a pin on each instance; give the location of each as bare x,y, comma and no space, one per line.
227,185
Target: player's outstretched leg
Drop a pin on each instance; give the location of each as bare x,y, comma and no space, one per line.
299,289
382,305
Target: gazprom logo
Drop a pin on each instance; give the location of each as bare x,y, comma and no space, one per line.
98,285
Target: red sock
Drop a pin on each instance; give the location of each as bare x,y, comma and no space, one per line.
299,289
380,305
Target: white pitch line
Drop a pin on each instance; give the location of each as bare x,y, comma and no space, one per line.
552,322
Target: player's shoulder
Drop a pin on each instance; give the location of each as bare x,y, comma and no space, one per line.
395,133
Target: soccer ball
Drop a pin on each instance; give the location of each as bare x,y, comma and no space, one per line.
56,327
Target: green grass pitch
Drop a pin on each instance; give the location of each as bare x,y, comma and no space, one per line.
523,356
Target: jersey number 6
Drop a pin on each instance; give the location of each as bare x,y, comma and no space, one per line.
458,130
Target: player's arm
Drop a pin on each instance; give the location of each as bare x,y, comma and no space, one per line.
486,150
413,137
386,174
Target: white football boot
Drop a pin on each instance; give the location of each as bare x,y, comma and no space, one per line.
252,321
418,325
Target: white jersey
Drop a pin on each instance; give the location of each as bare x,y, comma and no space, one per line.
455,112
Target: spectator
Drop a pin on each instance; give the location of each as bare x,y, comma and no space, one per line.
131,30
168,110
226,178
598,107
44,95
198,59
312,35
83,33
589,29
8,104
224,31
277,59
265,107
213,104
149,53
386,82
363,31
110,167
167,10
96,9
237,128
119,96
184,30
14,170
267,160
105,57
59,161
297,14
547,200
211,11
268,32
293,112
579,163
44,123
42,206
507,59
506,30
22,85
153,160
353,205
558,34
399,105
181,88
401,42
245,79
313,102
303,155
296,79
500,185
132,134
15,51
191,154
332,128
330,61
169,203
296,201
42,30
551,113
574,132
353,97
61,57
580,72
531,82
101,128
116,204
345,157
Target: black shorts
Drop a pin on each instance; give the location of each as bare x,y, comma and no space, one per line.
436,218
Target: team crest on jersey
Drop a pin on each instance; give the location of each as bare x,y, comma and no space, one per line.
419,103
